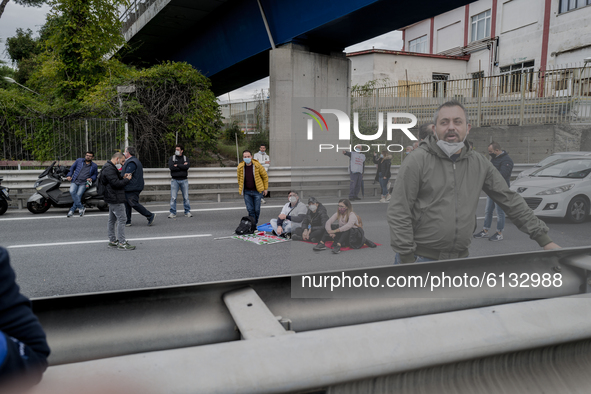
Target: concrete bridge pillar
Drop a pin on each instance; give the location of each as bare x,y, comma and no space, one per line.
300,78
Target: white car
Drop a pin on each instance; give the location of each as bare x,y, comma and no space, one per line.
550,159
559,189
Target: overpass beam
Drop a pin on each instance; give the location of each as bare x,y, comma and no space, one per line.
301,78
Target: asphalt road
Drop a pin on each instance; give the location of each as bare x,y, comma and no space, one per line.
54,255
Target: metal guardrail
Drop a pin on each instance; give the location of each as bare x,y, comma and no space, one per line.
123,332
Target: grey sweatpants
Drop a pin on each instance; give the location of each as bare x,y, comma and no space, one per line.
117,217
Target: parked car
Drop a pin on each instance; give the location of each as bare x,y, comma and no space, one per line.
550,159
559,189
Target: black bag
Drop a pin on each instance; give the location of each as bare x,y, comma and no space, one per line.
100,186
246,226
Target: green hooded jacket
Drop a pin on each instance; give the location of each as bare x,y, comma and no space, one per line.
432,212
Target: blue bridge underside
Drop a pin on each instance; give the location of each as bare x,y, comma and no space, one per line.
228,42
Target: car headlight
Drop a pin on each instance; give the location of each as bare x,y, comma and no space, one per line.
520,175
556,190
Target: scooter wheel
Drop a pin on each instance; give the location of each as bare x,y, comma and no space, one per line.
38,207
3,206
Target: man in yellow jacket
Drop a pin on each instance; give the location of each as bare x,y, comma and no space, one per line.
253,183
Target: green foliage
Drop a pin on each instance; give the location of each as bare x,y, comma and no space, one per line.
23,45
5,71
82,35
231,131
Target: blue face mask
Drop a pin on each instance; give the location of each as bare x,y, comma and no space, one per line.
247,160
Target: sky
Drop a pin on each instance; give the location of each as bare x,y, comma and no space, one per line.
16,16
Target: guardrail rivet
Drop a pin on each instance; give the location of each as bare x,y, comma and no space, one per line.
557,268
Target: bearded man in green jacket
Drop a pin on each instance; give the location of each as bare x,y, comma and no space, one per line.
432,212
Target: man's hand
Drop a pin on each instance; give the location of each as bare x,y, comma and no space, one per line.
176,165
306,235
551,246
282,216
186,163
264,192
69,178
333,235
279,230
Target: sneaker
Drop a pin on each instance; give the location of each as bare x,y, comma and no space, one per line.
70,214
172,216
128,224
189,214
382,199
370,244
296,237
113,244
320,246
336,248
125,246
263,201
82,211
496,237
481,234
151,219
388,197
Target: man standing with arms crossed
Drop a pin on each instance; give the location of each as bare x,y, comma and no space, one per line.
502,162
133,189
432,210
179,168
263,158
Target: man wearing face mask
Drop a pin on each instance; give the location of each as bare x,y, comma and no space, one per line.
135,187
291,216
312,228
356,170
114,195
253,183
179,167
262,157
432,212
502,162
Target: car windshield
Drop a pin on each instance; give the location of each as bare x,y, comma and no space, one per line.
548,160
571,168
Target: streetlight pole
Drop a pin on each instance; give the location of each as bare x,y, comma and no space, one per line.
10,80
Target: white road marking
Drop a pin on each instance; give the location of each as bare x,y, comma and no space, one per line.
105,241
92,214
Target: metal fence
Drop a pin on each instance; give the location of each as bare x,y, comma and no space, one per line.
522,97
61,139
251,116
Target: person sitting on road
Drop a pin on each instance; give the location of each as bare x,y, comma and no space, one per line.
312,228
348,231
291,216
81,174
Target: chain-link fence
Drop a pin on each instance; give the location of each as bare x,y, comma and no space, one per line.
251,116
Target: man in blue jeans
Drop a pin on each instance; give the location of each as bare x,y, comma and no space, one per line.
502,162
253,183
83,170
179,168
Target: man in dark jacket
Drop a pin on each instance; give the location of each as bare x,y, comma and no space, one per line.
502,162
83,171
23,346
133,189
115,196
179,168
312,228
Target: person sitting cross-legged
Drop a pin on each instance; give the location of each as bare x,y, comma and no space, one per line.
291,216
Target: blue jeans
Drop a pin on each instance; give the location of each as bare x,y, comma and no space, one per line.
420,259
183,184
252,199
76,191
383,184
490,207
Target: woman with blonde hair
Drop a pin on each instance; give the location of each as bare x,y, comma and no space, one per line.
383,174
348,231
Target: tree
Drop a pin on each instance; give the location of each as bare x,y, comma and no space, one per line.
83,35
22,45
26,3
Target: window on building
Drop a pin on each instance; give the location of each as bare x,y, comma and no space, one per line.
477,80
419,45
439,86
511,77
568,5
481,26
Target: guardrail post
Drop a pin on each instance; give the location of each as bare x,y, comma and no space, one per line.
478,122
522,106
86,129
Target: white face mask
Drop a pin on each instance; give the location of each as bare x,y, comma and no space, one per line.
312,208
177,152
118,166
293,199
450,148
